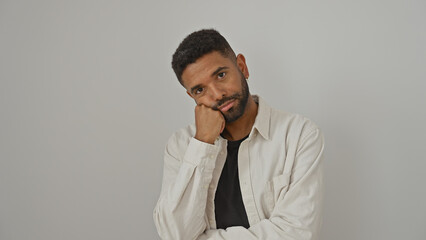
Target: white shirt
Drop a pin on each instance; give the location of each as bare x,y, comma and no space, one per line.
280,174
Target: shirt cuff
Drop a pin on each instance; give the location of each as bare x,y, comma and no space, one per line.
202,154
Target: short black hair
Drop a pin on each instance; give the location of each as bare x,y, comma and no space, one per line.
196,45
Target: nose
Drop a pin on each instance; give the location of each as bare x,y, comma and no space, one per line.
216,93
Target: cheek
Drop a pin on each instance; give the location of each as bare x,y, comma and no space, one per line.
206,101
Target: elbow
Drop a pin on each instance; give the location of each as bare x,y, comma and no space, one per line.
165,228
174,226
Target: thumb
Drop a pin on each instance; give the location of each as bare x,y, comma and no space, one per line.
223,127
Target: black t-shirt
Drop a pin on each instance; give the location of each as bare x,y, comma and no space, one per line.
229,206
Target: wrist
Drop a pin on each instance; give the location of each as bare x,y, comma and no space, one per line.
205,139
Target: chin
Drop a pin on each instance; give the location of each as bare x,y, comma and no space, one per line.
232,117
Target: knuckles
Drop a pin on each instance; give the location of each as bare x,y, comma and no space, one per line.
202,111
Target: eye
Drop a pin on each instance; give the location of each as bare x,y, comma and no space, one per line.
198,90
221,75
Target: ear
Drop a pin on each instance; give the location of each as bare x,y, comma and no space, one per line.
241,64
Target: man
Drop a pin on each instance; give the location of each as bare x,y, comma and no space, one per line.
244,170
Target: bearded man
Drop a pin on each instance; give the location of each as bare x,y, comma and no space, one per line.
244,170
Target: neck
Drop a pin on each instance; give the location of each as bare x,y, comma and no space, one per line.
241,127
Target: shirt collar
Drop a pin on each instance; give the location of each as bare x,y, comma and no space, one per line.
263,118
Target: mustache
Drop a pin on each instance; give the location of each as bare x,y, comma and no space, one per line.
224,100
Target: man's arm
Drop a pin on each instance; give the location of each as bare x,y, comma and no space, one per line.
180,211
297,213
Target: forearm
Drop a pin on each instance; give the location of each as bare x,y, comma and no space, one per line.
296,217
180,211
273,228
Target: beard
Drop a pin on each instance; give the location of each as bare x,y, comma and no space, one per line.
241,99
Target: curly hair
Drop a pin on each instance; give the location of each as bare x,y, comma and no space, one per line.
196,45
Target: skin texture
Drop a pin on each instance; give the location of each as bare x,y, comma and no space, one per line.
218,86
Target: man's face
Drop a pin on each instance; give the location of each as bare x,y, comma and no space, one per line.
219,83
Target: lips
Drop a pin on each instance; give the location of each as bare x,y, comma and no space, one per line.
227,105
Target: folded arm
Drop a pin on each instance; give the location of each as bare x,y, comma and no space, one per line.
180,210
297,212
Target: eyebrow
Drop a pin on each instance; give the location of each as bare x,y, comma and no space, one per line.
218,70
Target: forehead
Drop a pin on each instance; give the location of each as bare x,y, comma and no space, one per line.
204,67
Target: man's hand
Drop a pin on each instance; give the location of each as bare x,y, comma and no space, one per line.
209,123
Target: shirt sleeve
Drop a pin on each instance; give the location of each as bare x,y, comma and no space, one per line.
297,214
180,210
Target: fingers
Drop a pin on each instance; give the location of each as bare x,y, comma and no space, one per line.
209,123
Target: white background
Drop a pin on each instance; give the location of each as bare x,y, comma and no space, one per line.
88,100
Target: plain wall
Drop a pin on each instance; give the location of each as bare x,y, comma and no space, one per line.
88,100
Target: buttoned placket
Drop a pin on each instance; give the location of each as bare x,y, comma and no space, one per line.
245,180
220,162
